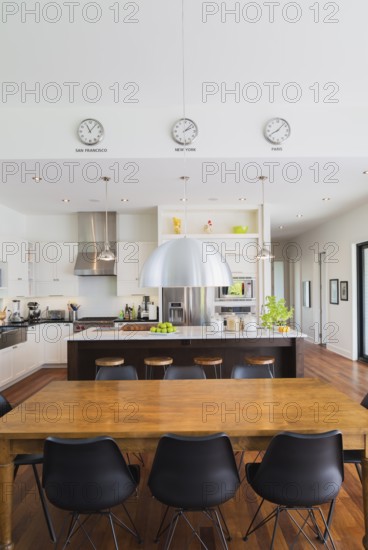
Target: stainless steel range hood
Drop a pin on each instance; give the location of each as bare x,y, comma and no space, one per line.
91,239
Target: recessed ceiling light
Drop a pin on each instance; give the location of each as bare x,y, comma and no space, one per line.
299,215
65,200
37,179
213,199
184,200
281,226
124,200
242,199
326,198
365,172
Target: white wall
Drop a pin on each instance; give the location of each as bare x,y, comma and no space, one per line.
338,238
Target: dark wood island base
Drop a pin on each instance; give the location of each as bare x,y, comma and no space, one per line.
287,350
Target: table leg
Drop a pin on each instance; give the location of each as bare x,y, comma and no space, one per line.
6,496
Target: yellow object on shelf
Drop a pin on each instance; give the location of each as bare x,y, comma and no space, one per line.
240,229
284,329
177,225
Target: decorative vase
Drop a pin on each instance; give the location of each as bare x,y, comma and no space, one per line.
177,225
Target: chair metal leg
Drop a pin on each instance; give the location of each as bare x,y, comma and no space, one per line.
225,527
171,531
159,531
359,470
220,530
134,530
113,531
44,505
275,527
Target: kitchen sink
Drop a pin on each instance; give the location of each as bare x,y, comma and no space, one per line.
11,336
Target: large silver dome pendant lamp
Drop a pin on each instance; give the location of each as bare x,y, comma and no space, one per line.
107,254
185,261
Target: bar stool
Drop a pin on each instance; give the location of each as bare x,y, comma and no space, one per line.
262,360
108,362
210,361
156,362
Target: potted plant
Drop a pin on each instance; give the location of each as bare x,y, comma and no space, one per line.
276,314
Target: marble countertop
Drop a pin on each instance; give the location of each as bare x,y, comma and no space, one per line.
182,333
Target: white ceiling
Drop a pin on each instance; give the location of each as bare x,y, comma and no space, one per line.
330,136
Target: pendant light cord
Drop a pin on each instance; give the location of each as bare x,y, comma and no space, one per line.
185,177
106,234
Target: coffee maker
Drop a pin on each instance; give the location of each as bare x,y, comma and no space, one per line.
145,301
34,312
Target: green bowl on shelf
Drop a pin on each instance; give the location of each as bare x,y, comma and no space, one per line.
240,229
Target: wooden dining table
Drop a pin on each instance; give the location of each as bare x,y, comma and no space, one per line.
137,413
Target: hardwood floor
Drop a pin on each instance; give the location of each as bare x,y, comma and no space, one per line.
30,532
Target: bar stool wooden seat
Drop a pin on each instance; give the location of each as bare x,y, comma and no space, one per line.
262,360
210,361
156,362
108,362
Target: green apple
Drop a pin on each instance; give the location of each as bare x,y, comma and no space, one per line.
158,329
153,329
170,329
164,330
174,329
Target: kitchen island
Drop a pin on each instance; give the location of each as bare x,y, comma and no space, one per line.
185,344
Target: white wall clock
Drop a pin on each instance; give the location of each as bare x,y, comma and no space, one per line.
184,131
90,131
277,130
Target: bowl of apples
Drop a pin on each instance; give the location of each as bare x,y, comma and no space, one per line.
163,328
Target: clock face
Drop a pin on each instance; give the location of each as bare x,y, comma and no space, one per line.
185,131
277,130
90,131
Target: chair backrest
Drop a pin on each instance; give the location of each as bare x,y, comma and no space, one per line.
301,469
194,372
125,372
364,401
85,474
251,371
5,406
194,472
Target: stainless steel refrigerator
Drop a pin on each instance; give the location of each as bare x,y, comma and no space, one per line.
188,305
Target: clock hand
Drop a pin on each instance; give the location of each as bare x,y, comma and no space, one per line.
93,127
189,127
283,124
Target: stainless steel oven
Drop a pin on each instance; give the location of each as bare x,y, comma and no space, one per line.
242,289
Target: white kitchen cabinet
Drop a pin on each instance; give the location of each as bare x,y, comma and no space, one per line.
14,252
53,269
35,347
131,258
6,366
55,346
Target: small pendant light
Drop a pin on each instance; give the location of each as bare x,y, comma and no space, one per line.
107,254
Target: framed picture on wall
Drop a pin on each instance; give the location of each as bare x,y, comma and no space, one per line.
306,294
334,291
344,296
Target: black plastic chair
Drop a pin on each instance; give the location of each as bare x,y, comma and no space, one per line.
117,373
88,476
298,472
248,372
194,372
30,460
193,474
352,456
251,371
120,373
